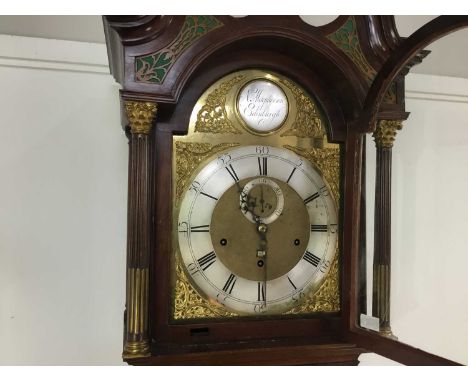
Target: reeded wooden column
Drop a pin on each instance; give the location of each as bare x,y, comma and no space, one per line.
140,117
384,136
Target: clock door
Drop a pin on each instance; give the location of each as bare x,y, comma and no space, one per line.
255,208
409,296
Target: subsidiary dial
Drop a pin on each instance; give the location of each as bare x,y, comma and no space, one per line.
262,201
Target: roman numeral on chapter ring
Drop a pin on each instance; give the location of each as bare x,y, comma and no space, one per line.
318,228
311,258
263,166
208,196
207,260
260,291
290,281
200,228
231,281
290,175
232,172
311,198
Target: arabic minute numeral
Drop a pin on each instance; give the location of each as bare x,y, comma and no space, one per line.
183,228
323,191
195,186
324,266
265,150
297,297
260,308
221,298
223,159
192,268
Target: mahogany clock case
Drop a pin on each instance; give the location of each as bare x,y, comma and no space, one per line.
353,95
236,329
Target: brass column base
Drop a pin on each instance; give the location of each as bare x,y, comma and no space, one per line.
136,349
387,332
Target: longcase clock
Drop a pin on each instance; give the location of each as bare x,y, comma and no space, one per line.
244,197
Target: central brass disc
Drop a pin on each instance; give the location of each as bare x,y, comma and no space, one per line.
236,240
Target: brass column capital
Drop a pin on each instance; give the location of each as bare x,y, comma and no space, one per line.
385,133
140,116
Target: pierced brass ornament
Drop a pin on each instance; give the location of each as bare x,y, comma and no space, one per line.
140,116
212,117
188,304
308,122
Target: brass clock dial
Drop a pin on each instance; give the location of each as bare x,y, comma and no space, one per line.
257,229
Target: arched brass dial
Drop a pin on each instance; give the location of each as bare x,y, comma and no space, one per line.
257,229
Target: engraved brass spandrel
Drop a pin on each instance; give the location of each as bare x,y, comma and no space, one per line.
188,157
212,117
307,122
188,304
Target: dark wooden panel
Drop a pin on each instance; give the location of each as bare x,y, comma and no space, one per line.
327,354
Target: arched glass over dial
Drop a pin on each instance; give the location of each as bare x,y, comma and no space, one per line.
257,229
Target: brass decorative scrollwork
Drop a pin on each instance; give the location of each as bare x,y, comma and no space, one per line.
212,117
308,123
188,156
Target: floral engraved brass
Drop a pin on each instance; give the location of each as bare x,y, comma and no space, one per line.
140,116
385,133
308,123
212,117
188,156
154,67
189,304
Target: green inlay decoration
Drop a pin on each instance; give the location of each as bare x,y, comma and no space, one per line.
153,68
347,39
